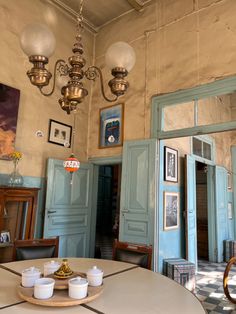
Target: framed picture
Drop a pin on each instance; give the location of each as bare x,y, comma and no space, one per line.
170,164
171,210
9,105
111,126
5,237
59,133
230,211
229,178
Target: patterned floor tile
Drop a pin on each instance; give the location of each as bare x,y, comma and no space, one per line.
209,288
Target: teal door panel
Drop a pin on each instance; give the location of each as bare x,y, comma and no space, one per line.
80,188
221,209
138,186
68,208
73,245
230,214
211,213
191,227
233,161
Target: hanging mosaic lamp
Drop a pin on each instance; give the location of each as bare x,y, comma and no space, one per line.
71,164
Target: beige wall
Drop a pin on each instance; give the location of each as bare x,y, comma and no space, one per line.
178,43
211,110
35,110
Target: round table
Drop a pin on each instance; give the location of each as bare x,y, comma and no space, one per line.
128,289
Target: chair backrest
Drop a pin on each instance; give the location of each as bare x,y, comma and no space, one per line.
133,253
35,248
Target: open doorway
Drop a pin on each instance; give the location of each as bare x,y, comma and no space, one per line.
202,211
108,209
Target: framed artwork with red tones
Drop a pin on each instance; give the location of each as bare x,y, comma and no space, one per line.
9,105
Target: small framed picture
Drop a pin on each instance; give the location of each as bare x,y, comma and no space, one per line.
171,210
229,178
170,164
5,237
230,211
59,133
111,126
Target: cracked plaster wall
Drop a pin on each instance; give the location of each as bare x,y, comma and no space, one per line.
35,110
179,44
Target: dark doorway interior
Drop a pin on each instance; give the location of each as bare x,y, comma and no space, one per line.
202,211
107,223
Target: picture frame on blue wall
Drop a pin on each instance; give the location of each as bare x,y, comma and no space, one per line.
230,210
111,126
170,164
171,210
229,181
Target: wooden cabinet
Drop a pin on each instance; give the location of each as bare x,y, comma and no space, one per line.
18,207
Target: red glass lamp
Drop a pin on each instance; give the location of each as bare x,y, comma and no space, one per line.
71,164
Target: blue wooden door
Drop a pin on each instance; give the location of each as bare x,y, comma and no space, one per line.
68,208
138,189
221,209
190,210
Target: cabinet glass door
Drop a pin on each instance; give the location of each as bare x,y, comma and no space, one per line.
14,226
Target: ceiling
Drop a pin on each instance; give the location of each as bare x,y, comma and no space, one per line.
99,12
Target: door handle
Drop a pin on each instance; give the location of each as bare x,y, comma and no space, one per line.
125,210
52,211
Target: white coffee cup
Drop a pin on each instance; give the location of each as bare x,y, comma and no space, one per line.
95,276
78,288
50,267
29,276
43,288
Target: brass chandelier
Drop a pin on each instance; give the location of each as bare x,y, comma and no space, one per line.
38,42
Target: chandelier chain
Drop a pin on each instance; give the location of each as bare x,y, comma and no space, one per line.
80,18
73,134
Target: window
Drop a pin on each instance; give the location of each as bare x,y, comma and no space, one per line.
203,147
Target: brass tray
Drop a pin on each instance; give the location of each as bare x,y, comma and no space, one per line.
60,298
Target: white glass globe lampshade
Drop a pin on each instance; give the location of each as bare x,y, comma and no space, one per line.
37,40
120,54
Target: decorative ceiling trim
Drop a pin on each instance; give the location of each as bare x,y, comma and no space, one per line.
89,26
138,5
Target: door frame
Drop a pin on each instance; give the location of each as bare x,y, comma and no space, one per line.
101,161
211,210
159,102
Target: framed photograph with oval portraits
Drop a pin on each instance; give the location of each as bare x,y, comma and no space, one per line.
59,133
111,126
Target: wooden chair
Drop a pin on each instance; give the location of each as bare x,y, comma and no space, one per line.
133,253
230,263
35,248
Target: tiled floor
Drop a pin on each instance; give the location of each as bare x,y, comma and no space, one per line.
209,287
209,281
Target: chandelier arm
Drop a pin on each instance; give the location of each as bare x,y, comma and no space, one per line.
91,74
61,67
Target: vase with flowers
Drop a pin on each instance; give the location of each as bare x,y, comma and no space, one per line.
15,178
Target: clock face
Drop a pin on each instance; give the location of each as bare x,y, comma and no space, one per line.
112,132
